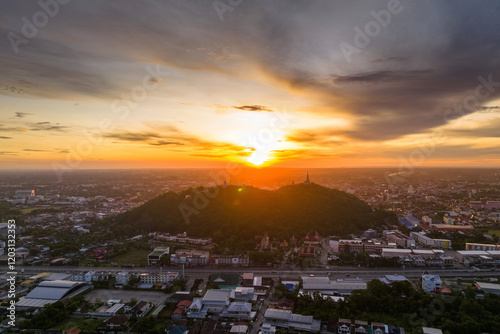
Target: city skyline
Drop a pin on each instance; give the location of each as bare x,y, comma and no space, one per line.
289,84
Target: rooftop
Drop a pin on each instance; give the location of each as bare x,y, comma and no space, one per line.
217,295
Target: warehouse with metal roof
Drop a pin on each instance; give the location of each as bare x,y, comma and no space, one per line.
49,292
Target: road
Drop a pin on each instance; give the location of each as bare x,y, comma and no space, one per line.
333,271
259,317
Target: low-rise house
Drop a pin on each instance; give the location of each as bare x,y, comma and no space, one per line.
244,294
140,309
287,319
178,314
117,322
361,327
268,329
184,304
238,310
378,328
344,326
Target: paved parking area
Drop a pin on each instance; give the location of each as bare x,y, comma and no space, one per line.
126,295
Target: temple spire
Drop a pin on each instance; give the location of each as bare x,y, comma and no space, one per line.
307,181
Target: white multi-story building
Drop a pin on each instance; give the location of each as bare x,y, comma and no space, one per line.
422,239
431,283
167,277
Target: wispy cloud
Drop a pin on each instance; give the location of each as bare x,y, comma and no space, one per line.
255,107
22,114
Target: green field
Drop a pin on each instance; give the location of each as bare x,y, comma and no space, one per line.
86,325
137,257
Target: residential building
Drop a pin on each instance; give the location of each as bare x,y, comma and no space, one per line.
24,193
399,239
481,247
378,328
430,283
152,278
230,260
214,302
344,326
488,287
122,278
361,327
493,205
247,279
395,252
244,294
190,257
324,286
268,329
390,279
140,309
451,228
238,310
422,239
448,220
287,319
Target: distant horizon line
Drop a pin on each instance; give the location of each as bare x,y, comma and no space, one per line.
248,167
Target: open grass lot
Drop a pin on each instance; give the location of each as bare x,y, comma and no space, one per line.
29,210
494,231
137,257
126,295
86,325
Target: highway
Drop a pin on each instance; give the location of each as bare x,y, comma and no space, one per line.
332,271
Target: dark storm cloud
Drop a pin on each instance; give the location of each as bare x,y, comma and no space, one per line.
425,60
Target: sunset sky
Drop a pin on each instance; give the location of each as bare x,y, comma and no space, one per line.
106,84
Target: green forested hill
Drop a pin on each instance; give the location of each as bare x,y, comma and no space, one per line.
234,215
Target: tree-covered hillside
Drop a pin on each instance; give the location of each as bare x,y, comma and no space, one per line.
234,215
